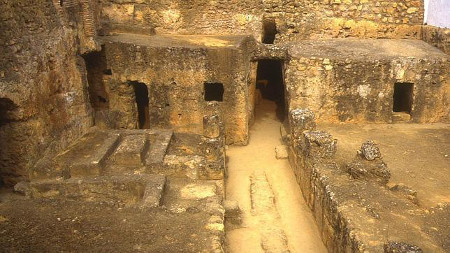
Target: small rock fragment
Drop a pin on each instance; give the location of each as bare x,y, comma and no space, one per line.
369,151
22,188
281,152
368,164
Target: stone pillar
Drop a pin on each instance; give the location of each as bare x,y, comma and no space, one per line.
300,120
213,126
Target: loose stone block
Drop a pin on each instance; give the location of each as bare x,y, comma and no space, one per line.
22,188
211,126
281,152
369,151
232,209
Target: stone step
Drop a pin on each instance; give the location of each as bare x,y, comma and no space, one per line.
131,151
142,190
159,142
191,166
88,155
399,117
184,194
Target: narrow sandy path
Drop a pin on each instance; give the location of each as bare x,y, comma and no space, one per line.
291,219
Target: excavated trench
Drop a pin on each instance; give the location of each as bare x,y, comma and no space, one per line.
275,217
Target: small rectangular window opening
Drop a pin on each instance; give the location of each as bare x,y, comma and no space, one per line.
269,31
403,97
213,92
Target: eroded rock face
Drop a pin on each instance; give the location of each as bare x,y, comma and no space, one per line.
43,101
301,120
294,20
369,170
401,247
436,36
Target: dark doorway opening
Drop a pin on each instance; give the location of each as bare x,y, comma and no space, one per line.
403,97
270,82
213,92
96,71
269,31
142,102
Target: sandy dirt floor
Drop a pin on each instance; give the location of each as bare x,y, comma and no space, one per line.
289,226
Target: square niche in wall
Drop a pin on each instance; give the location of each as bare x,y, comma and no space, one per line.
213,92
403,97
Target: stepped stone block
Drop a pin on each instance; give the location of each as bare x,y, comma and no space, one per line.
159,142
87,157
144,190
131,151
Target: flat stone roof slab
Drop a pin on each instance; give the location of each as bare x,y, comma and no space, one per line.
364,49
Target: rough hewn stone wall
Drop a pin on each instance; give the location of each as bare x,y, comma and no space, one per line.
175,70
294,19
43,96
311,19
438,37
353,81
184,17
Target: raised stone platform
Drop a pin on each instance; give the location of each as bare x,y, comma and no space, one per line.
417,155
365,49
362,204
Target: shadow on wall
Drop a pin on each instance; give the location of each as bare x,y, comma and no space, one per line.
7,108
269,31
96,67
142,104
